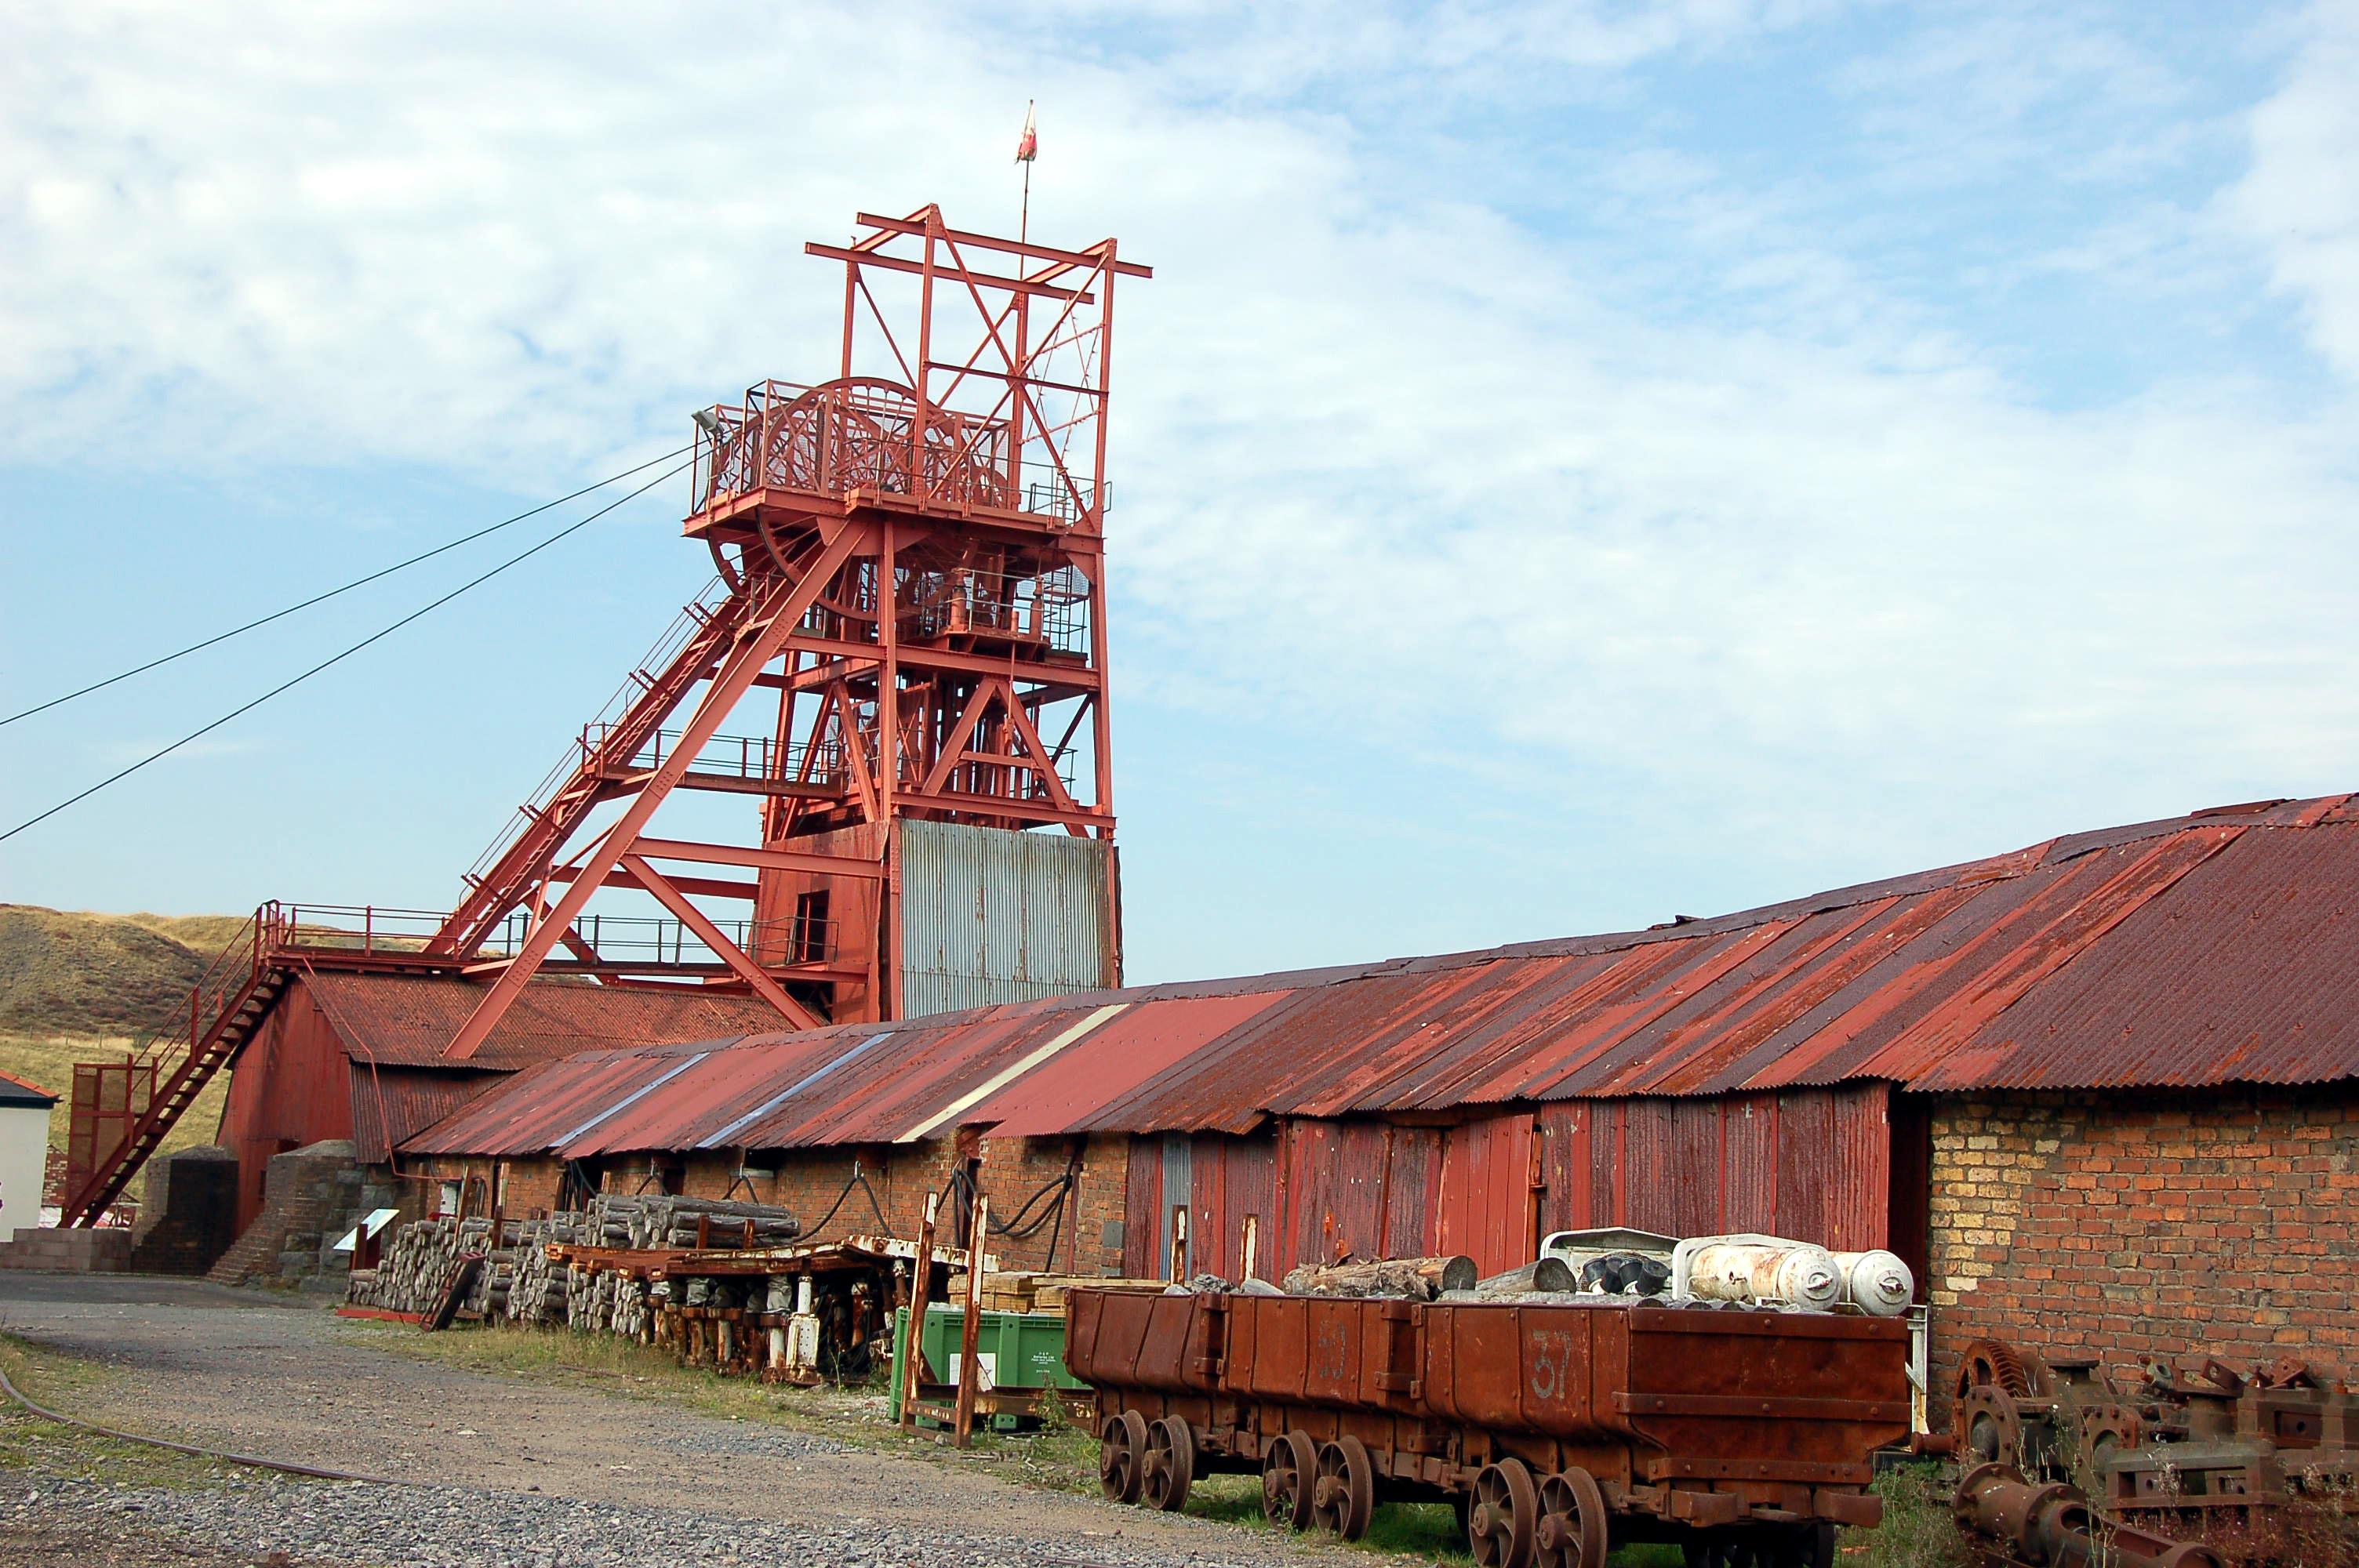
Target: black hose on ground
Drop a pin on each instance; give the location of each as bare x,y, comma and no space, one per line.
227,1457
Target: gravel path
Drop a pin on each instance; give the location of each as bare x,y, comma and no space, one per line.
521,1475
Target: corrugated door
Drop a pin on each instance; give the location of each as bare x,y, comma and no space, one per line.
1412,1177
1748,1165
1177,1194
1566,1197
1486,1207
991,916
1233,1181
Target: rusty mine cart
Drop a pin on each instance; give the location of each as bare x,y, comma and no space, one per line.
1559,1430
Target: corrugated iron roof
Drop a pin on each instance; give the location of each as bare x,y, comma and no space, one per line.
2214,949
391,1104
407,1019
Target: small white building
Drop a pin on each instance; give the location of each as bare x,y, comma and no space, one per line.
24,1151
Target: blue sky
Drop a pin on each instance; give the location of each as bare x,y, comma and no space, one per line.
1576,464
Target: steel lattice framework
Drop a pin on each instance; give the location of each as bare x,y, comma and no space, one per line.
911,604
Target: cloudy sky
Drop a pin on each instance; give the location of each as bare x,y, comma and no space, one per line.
1574,464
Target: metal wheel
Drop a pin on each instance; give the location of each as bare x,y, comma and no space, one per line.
1170,1464
1122,1448
1500,1527
1571,1529
1288,1473
1344,1494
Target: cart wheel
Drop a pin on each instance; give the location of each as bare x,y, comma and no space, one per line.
1499,1527
1122,1446
1571,1529
1344,1495
1170,1466
1288,1471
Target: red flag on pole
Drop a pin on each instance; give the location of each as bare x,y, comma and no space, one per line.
1027,146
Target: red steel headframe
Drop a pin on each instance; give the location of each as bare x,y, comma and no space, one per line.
911,559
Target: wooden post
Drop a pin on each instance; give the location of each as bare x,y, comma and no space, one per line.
913,1357
969,1374
1252,1237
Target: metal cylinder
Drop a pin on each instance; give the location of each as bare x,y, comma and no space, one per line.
1876,1282
1795,1272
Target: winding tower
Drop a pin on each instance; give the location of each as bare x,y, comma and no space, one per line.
899,670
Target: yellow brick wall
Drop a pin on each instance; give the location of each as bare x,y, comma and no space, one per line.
2218,1222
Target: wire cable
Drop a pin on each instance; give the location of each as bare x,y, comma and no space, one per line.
373,637
324,598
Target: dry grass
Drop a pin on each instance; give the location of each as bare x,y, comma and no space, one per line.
66,973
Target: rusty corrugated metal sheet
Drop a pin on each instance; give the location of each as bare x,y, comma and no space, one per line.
390,1105
407,1019
992,916
2215,948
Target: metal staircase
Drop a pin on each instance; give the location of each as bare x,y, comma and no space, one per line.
120,1111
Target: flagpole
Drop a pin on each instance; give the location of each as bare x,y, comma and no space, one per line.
1024,219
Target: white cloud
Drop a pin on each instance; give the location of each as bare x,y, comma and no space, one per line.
1384,455
2300,200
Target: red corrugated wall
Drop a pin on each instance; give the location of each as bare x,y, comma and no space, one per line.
289,1087
1815,1165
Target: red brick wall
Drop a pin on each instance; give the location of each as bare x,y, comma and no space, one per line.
2113,1226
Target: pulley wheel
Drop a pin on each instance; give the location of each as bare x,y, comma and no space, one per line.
1288,1473
1502,1526
1344,1494
1170,1466
1121,1450
1571,1529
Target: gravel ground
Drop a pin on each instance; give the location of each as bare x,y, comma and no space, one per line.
511,1474
318,1524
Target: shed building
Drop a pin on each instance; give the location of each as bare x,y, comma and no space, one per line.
2099,1093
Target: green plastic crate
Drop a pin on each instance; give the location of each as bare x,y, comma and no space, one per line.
1024,1349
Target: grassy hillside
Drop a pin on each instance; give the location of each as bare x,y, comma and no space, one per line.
77,987
67,973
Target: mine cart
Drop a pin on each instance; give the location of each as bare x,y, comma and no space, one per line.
1559,1430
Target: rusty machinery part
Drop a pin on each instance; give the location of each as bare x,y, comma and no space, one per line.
1571,1529
1343,1491
1122,1452
1990,1427
1501,1523
1994,1363
1287,1475
1170,1464
2049,1524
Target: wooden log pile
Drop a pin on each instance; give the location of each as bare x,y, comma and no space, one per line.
418,1264
656,1221
1409,1279
541,1290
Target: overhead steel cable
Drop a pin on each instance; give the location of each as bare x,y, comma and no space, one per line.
337,659
347,588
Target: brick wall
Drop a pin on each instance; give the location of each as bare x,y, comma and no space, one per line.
2216,1222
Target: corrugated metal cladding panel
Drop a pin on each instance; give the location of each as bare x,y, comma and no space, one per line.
1179,1193
394,1103
2248,970
410,1019
990,916
1810,1163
